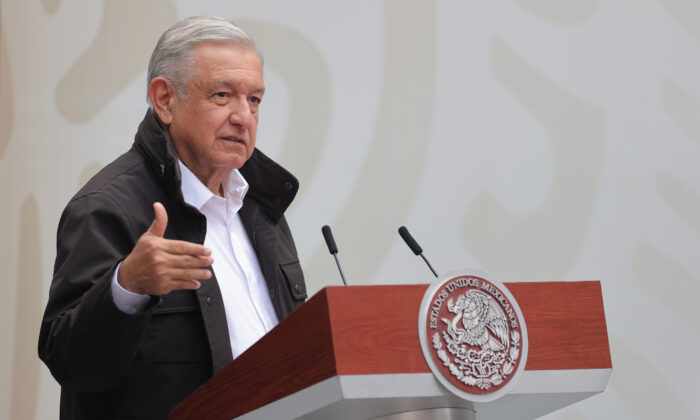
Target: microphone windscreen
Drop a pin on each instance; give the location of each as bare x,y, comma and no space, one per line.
410,241
328,236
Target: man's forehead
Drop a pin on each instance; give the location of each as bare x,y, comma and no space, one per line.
227,65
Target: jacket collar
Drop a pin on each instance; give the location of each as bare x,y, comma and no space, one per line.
270,184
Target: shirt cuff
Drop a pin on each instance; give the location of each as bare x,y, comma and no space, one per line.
128,302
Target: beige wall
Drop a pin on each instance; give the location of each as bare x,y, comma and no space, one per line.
537,140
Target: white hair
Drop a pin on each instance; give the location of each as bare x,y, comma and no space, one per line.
173,57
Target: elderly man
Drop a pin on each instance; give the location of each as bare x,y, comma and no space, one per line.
176,257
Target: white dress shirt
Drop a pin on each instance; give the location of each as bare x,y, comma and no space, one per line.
249,310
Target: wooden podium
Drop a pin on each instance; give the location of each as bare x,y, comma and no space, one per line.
353,353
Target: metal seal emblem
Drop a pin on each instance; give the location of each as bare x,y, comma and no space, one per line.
473,335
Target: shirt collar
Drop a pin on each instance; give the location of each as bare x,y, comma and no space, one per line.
197,194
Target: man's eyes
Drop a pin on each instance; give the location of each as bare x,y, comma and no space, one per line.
223,97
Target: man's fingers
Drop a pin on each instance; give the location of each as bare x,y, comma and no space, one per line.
187,275
179,285
176,247
178,279
187,285
190,285
191,274
189,261
161,220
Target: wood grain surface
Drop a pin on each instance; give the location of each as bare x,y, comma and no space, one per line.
565,324
375,328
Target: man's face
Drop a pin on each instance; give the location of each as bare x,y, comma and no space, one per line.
213,128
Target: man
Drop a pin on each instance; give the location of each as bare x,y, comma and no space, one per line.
176,257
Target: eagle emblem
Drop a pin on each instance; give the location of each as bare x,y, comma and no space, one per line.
478,321
473,336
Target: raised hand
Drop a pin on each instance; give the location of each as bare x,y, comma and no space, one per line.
157,265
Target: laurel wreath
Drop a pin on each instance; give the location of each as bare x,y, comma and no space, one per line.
482,369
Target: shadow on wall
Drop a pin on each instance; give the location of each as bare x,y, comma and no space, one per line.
642,387
686,13
6,102
51,6
651,263
409,56
26,364
115,58
562,12
679,105
502,240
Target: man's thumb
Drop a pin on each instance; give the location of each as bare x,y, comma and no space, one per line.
161,220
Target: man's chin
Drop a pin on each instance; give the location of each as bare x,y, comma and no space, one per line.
233,162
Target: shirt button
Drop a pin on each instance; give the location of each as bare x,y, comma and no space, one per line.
297,288
272,292
288,185
209,300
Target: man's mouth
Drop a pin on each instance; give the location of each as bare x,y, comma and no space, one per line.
234,139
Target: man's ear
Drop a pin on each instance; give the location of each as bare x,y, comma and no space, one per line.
162,94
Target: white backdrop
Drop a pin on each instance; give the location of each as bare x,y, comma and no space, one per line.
538,140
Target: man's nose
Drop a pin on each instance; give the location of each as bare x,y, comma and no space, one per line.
241,113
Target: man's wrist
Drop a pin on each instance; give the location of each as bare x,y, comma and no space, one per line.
127,301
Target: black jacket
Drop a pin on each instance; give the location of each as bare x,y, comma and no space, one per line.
116,366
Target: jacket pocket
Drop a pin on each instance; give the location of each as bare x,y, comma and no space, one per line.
294,278
177,301
176,333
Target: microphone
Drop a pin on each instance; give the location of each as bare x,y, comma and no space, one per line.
328,236
414,246
332,248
